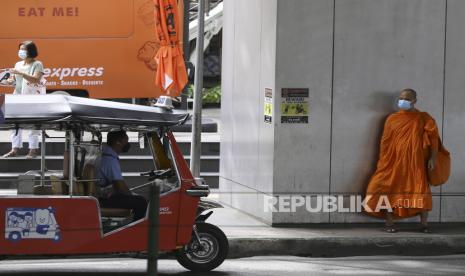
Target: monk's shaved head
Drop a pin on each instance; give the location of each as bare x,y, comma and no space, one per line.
408,94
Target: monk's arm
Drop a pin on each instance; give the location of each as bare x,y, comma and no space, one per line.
432,159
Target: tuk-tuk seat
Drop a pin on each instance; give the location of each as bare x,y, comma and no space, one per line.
91,189
59,186
87,188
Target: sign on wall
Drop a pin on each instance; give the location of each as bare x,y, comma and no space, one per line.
268,108
294,105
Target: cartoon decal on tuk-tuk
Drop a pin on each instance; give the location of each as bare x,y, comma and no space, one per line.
66,205
31,223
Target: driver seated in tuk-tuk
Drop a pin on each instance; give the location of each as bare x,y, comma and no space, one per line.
114,193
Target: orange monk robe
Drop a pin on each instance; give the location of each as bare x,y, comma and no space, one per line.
400,177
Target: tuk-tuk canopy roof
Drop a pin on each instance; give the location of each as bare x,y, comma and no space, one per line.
60,111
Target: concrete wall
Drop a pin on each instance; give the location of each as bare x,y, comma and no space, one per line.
380,48
304,59
354,56
249,50
453,193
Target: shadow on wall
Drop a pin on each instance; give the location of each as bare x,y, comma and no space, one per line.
384,103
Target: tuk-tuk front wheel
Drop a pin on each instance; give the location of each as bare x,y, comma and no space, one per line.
209,253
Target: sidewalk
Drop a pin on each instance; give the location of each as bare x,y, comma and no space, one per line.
249,237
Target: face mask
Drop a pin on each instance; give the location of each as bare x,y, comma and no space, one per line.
22,54
404,104
126,148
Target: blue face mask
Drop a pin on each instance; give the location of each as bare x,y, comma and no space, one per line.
404,104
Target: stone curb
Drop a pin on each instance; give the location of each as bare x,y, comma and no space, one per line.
347,246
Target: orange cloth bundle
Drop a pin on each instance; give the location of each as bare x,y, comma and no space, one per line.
171,75
441,171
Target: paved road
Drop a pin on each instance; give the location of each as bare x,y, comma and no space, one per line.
286,265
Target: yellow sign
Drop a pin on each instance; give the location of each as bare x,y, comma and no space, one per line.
268,108
294,109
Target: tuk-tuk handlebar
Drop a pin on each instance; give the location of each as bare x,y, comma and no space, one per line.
157,174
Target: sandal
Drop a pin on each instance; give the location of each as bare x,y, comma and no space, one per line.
390,229
426,230
11,153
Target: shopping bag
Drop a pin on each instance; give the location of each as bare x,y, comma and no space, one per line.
30,88
4,76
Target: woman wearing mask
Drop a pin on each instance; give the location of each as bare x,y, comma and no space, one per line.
31,70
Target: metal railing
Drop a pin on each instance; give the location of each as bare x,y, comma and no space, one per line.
194,6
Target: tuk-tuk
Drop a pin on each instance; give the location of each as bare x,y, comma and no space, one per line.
59,213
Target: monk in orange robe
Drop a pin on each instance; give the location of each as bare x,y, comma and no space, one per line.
409,146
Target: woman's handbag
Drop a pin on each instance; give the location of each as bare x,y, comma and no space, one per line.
30,88
441,172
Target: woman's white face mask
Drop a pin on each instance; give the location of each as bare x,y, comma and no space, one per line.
22,54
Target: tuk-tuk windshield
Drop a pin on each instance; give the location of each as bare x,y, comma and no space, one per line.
164,160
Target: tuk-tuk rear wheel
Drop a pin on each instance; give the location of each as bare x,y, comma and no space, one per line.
211,252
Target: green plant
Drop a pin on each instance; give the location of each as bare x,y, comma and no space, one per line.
190,91
209,96
212,95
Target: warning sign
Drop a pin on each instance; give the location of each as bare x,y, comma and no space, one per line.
294,105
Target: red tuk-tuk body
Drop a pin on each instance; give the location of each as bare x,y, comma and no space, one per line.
72,224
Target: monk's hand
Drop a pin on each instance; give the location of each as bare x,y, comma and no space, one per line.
431,163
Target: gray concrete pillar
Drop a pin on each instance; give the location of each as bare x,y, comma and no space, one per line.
353,56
